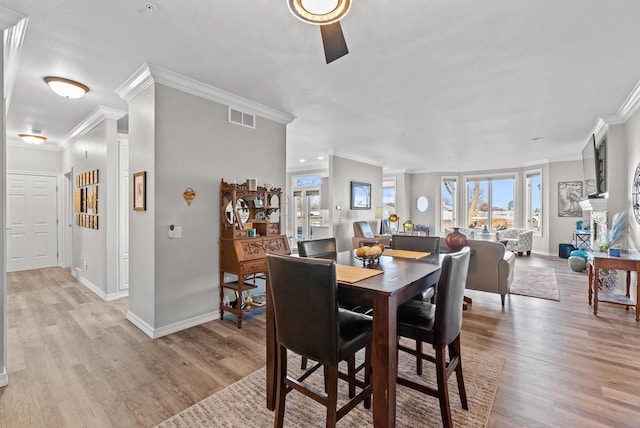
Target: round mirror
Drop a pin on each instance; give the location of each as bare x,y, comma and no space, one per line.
274,202
422,204
243,210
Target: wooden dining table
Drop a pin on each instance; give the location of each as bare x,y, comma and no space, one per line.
402,279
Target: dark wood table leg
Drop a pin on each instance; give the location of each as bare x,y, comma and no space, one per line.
596,286
637,295
590,270
384,361
271,351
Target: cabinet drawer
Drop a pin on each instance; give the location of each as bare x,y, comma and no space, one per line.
253,267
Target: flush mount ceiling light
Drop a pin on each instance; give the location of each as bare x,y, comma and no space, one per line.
327,14
34,138
319,12
66,87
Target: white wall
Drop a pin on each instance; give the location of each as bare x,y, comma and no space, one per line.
182,141
33,159
86,153
341,172
632,162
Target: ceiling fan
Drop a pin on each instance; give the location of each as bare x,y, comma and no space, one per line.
327,14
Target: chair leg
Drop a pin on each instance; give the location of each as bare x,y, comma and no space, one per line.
454,351
443,391
351,372
418,357
303,364
281,393
502,297
367,374
331,380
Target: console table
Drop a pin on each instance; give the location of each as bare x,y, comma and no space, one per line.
626,262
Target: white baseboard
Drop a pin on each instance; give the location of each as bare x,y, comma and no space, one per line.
155,333
4,379
77,274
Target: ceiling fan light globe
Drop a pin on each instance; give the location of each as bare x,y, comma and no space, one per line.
319,7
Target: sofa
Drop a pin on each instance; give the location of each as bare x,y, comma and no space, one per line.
490,267
363,235
516,240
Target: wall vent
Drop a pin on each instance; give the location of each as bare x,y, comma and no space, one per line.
241,118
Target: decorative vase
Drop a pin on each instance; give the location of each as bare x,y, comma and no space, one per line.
456,240
608,281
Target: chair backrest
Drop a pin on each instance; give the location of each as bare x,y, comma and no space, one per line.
363,229
429,244
325,248
450,295
389,227
305,305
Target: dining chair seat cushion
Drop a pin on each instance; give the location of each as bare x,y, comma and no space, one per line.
355,329
417,318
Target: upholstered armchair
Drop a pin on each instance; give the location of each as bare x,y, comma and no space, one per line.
471,233
362,234
517,240
490,267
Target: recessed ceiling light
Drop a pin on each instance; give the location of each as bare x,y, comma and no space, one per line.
319,12
302,161
66,87
320,157
33,138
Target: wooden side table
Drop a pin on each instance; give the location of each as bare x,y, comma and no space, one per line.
626,262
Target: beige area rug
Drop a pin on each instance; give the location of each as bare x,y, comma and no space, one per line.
536,282
242,404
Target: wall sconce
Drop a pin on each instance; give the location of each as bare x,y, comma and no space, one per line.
66,87
189,195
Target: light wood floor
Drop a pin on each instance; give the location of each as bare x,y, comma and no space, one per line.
74,360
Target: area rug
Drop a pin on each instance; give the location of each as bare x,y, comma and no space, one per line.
536,282
242,404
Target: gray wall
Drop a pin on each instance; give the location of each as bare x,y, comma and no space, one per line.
341,172
182,141
633,159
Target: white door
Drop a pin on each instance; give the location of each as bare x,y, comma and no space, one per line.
123,214
32,232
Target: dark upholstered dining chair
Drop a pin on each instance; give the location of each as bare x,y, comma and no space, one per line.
325,248
440,326
309,322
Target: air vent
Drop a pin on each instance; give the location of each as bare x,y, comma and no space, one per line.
241,118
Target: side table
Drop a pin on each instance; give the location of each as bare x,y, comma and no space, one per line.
626,262
581,239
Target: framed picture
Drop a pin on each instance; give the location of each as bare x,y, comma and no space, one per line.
360,196
569,194
95,199
140,191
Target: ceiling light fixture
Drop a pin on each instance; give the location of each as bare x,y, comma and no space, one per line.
66,87
319,12
34,138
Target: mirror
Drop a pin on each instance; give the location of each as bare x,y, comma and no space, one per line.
274,202
243,210
228,213
275,216
422,204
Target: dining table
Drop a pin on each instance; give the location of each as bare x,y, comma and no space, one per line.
402,278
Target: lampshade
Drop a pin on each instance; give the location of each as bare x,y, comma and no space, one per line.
32,138
319,12
65,87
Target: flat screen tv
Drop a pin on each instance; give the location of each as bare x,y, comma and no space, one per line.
590,168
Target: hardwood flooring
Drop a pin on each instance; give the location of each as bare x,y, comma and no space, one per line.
74,360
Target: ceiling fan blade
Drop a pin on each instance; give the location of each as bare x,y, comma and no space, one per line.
333,40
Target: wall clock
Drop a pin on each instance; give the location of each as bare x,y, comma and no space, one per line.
635,194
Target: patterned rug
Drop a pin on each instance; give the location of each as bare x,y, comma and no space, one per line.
242,404
536,282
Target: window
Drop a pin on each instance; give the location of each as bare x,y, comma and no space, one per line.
448,205
533,201
388,202
491,202
307,180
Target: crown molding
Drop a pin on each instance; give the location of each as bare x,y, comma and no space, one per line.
358,159
13,39
630,105
9,18
98,114
148,74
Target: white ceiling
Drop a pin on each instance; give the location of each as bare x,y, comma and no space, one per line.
428,85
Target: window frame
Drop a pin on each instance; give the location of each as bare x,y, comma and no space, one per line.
490,178
527,200
454,201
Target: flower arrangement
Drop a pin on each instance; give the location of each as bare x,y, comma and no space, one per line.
614,236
